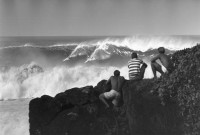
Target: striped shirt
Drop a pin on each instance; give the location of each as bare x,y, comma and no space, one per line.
134,67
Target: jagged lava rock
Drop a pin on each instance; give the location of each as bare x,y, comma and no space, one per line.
77,111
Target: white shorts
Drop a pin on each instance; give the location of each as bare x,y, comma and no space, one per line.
165,70
113,94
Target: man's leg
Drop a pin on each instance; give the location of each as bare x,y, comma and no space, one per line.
156,67
116,100
102,98
142,71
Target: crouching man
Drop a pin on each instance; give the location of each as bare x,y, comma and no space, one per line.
115,92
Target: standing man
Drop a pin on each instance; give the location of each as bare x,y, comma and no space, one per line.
114,94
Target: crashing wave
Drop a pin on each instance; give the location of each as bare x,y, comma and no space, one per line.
81,50
50,47
139,43
123,46
105,51
144,43
102,49
28,70
12,81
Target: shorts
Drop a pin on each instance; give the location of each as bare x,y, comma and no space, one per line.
133,76
113,94
167,71
164,69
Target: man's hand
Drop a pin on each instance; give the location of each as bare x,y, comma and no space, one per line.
145,65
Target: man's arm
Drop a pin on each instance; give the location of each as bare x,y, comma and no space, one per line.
122,83
155,58
108,81
128,64
141,61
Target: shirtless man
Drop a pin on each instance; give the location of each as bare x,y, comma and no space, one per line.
114,94
164,59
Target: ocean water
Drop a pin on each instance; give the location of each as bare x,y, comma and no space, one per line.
34,66
14,117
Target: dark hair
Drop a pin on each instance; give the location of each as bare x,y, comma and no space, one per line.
134,55
116,73
161,50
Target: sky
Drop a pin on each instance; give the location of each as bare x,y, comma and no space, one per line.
99,17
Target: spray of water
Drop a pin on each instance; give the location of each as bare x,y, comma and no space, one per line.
31,81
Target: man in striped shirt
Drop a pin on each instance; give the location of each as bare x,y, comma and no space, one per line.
134,66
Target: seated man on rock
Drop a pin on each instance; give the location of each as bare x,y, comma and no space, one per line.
116,86
135,72
164,59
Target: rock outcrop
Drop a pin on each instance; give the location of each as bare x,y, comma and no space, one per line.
77,111
150,107
146,113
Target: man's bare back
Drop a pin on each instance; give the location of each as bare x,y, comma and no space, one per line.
165,60
116,82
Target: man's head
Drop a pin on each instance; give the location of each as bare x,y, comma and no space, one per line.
134,55
116,73
161,50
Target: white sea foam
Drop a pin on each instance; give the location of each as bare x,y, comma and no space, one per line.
22,82
99,48
14,117
143,43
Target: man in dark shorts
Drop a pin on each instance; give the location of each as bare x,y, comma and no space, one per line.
114,94
164,59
